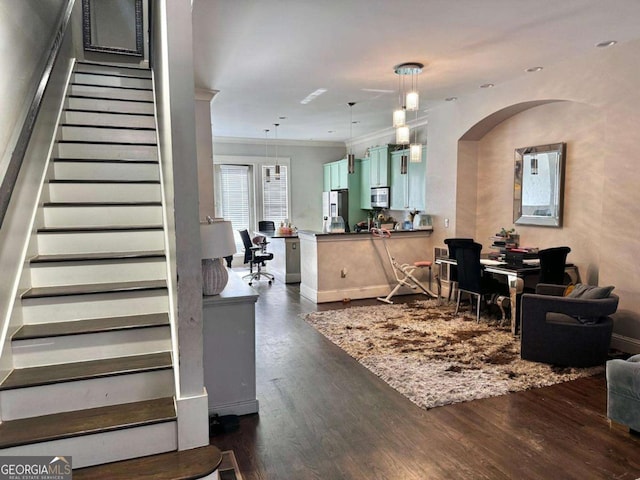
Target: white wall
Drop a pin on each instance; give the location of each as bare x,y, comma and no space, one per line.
306,160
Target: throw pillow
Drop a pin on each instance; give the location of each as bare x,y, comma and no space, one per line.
590,291
568,290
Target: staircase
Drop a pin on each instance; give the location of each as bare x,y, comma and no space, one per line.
92,366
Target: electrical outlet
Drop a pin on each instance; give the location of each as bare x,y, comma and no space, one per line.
446,223
343,273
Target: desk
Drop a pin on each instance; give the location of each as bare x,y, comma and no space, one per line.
515,276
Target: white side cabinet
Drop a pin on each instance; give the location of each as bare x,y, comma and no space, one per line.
230,349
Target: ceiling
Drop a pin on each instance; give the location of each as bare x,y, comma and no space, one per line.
265,56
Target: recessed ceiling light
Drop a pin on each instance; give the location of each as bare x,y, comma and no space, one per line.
533,69
331,131
606,43
313,95
282,118
451,99
487,85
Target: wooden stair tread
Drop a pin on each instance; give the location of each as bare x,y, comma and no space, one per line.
104,142
103,160
99,228
179,465
87,289
93,325
95,204
76,257
81,63
85,422
69,372
107,87
107,112
107,127
105,182
109,99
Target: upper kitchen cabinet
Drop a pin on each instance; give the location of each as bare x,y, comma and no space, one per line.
336,175
408,191
379,165
365,184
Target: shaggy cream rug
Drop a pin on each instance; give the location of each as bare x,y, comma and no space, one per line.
434,357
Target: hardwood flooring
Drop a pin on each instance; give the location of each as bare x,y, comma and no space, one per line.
324,416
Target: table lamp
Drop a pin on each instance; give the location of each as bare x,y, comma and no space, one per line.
217,242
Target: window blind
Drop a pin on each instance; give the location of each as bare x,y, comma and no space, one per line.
234,199
275,195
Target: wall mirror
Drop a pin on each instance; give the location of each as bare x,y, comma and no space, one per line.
538,185
112,26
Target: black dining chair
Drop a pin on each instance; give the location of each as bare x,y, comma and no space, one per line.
471,279
552,265
266,226
452,244
255,257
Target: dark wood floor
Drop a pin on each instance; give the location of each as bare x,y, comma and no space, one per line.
323,416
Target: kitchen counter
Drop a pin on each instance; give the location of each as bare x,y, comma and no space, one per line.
285,265
335,266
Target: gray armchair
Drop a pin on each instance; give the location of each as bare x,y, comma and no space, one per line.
566,331
623,392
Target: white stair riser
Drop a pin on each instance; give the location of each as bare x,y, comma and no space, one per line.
112,271
106,447
83,394
94,346
95,242
109,119
110,92
104,192
109,105
107,152
88,134
77,307
111,69
102,216
105,171
112,81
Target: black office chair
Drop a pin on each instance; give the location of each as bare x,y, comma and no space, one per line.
471,279
255,256
266,226
452,244
552,264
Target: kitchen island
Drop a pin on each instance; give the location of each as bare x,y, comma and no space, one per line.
285,265
338,266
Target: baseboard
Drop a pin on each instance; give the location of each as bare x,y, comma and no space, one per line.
625,344
324,296
245,407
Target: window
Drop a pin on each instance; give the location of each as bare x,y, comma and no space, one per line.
234,198
275,201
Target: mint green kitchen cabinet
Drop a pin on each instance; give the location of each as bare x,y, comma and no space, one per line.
336,175
379,166
408,191
365,184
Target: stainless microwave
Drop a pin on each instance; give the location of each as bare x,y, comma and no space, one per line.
380,197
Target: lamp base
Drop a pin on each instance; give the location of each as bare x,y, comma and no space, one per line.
214,276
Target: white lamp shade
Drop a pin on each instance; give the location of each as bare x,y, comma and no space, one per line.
399,118
402,135
217,239
412,101
415,153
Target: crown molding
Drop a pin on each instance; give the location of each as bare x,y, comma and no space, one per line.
280,142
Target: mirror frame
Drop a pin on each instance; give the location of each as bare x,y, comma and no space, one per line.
86,32
538,220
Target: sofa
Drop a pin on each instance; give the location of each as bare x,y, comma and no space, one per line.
623,392
567,329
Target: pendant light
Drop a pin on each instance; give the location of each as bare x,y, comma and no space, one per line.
415,149
399,114
277,168
266,156
351,158
534,165
411,102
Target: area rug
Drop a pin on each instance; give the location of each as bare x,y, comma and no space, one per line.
435,358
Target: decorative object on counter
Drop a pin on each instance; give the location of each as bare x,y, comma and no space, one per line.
384,221
336,225
422,221
216,237
502,241
351,158
286,228
435,358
